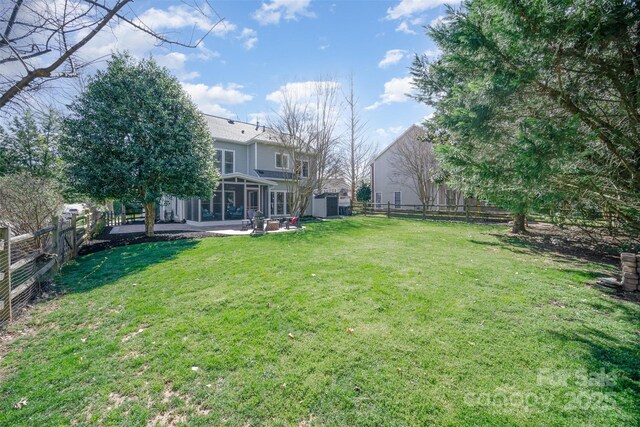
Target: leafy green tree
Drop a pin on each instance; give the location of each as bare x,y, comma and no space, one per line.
363,194
135,135
30,144
540,104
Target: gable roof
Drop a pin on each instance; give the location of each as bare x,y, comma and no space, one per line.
413,128
239,132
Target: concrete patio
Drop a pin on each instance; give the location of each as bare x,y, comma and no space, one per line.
220,230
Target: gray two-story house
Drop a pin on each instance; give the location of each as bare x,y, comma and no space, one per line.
392,186
256,175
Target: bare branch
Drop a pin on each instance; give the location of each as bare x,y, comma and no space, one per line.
54,32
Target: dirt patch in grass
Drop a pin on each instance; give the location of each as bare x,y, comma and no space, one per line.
175,415
28,323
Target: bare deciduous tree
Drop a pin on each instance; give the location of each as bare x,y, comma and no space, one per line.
40,40
358,153
292,130
414,163
28,203
324,142
305,126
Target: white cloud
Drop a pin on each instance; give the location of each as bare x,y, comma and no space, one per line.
262,118
205,53
395,91
408,8
428,117
298,91
389,132
324,43
272,12
139,44
403,27
432,53
175,17
175,61
210,98
438,20
249,38
304,95
392,56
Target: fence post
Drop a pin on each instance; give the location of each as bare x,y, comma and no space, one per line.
88,226
74,236
60,241
5,274
465,208
388,209
55,241
94,221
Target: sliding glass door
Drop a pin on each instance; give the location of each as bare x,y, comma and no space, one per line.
278,203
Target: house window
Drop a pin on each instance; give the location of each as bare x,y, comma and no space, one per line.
378,200
302,168
282,161
279,203
225,159
397,199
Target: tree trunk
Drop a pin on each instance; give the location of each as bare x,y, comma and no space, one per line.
519,223
149,218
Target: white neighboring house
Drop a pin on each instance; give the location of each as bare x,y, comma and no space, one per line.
339,186
391,188
255,172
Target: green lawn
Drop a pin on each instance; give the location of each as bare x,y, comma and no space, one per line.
364,322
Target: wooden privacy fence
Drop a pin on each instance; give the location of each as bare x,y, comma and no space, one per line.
29,259
447,212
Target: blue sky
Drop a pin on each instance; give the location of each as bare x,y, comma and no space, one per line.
264,46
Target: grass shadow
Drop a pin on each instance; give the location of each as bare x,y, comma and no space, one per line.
97,269
525,245
612,355
328,227
561,249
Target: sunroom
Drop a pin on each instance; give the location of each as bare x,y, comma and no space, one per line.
236,197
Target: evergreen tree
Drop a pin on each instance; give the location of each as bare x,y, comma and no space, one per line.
30,144
540,104
363,194
135,135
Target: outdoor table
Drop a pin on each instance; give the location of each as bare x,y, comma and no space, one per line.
273,224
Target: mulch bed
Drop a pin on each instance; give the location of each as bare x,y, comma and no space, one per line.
107,241
589,245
